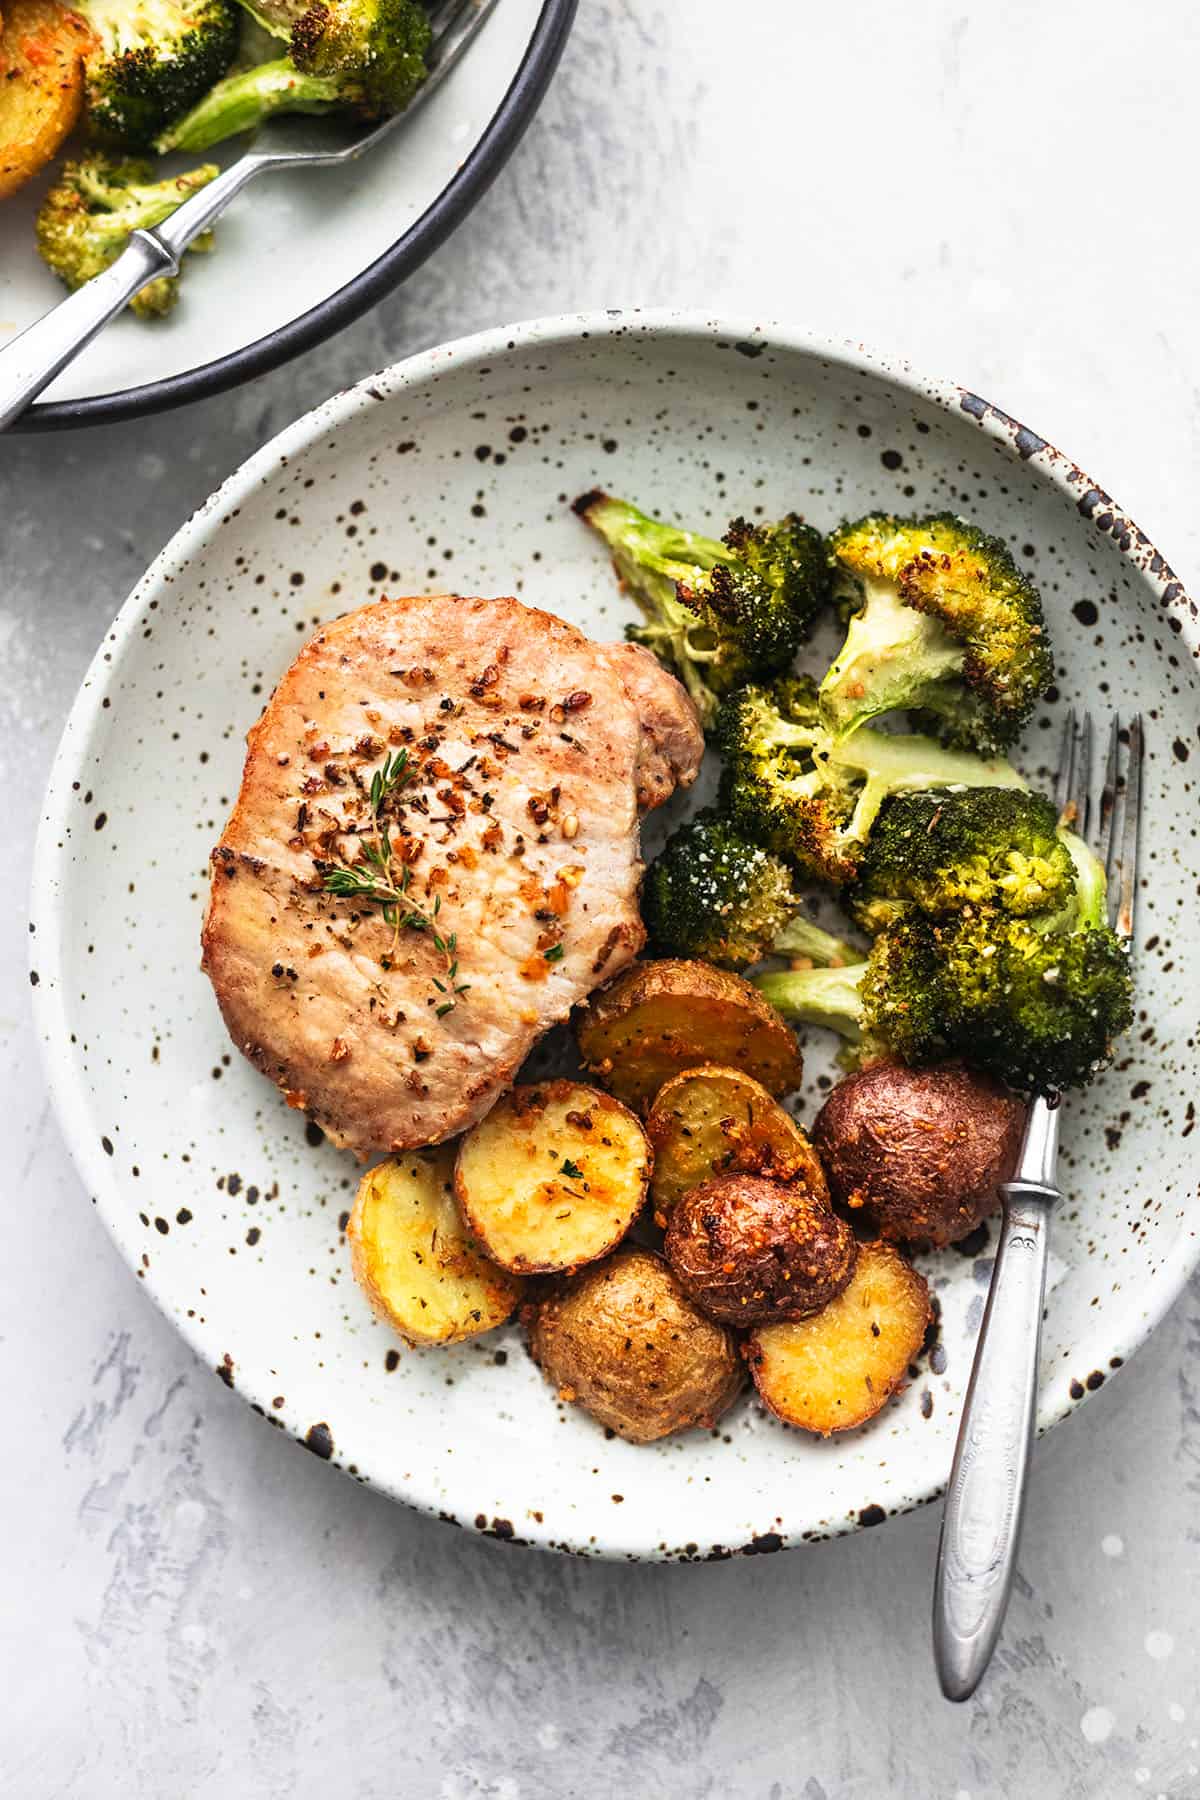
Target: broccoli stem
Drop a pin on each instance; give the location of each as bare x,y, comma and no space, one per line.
830,997
648,546
1088,906
800,937
242,102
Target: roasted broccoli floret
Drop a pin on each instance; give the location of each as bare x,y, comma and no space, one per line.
717,614
361,56
712,894
150,61
86,218
935,853
1038,1000
944,624
793,786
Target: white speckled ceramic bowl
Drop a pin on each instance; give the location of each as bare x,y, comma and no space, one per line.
455,468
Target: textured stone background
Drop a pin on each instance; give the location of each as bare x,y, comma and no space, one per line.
194,1607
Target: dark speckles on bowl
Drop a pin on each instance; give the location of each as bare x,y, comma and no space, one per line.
702,420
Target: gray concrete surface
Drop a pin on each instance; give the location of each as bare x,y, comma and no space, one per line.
193,1607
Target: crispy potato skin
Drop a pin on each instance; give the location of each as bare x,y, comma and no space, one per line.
623,1341
553,1177
710,1122
414,1259
41,85
921,1151
660,1018
752,1252
837,1369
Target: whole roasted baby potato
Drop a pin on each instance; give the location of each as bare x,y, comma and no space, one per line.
921,1151
414,1259
553,1177
750,1252
838,1368
710,1122
660,1018
41,85
623,1341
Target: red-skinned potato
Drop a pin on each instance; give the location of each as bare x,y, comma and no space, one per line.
920,1152
750,1252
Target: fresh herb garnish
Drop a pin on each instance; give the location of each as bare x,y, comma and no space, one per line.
376,881
553,954
571,1169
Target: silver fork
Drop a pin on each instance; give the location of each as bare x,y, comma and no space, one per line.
32,360
981,1523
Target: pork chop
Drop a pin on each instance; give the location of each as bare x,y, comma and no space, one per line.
509,753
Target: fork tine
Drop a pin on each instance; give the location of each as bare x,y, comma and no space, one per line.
1108,797
455,23
1126,832
1066,759
1074,784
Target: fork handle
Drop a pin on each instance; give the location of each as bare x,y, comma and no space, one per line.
41,352
981,1524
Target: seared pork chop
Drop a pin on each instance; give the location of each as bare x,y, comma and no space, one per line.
510,832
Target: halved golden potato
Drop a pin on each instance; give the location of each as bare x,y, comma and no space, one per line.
660,1018
41,85
837,1369
414,1259
553,1177
711,1122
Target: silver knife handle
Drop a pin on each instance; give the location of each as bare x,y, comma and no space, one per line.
981,1523
31,361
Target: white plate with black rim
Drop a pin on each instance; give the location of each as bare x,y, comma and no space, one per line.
300,254
458,466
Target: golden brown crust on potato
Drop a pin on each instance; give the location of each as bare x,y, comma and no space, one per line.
41,85
660,1018
921,1151
414,1258
624,1342
553,1177
836,1369
752,1252
710,1122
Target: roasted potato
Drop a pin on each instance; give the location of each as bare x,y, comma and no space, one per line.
751,1252
41,85
837,1369
921,1151
414,1259
710,1122
623,1341
553,1177
660,1018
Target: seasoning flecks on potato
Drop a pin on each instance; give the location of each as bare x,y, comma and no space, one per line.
836,1369
623,1341
553,1177
660,1018
712,1121
749,1251
921,1151
414,1258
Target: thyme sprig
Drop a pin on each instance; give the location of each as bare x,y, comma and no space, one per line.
377,882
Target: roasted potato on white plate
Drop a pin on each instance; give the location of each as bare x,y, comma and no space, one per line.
623,1341
414,1258
838,1368
553,1177
660,1018
711,1122
41,85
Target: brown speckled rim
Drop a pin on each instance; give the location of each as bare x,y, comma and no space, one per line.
467,186
487,349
